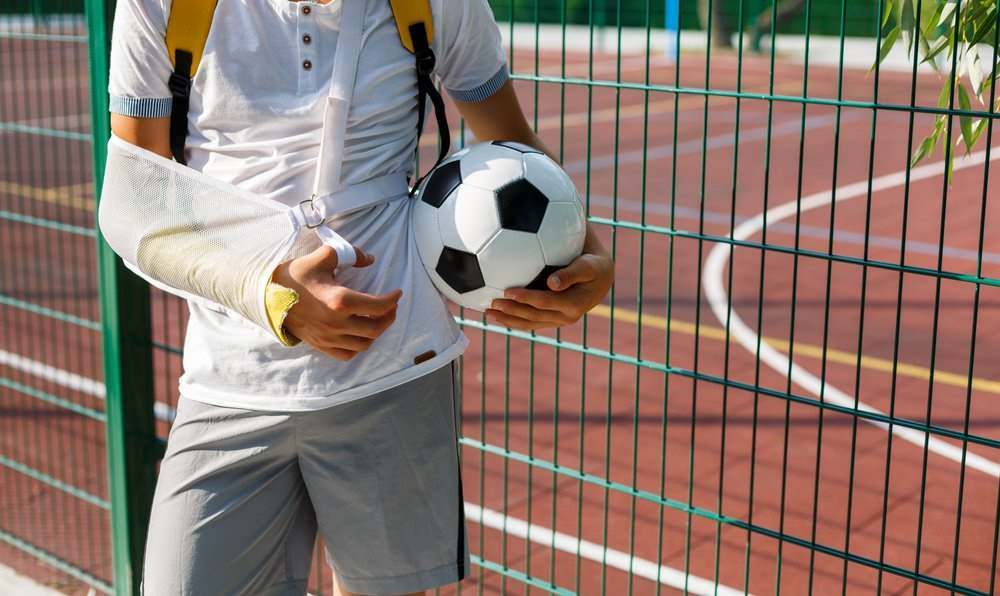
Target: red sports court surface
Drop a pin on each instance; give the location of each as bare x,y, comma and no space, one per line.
784,467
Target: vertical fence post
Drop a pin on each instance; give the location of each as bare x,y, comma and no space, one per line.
128,362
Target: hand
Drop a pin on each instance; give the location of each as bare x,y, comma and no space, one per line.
576,289
333,319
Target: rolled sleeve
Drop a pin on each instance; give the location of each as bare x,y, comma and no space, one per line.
141,107
483,91
140,67
471,62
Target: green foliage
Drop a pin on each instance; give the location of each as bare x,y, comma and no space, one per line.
958,39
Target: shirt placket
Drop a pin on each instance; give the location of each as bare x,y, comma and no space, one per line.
306,25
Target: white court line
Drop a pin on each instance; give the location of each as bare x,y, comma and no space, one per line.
14,583
492,519
839,236
71,380
716,295
617,559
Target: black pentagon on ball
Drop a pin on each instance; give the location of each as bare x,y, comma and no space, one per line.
519,147
460,270
441,183
521,206
541,280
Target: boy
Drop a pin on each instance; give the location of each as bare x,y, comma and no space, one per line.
320,423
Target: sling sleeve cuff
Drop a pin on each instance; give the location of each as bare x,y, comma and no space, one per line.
278,300
483,91
140,107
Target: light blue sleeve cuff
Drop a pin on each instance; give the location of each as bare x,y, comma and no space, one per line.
140,107
484,91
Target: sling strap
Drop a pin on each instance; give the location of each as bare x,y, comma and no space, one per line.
187,30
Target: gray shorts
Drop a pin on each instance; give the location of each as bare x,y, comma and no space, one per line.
242,493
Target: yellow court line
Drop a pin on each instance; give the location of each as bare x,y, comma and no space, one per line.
63,196
806,350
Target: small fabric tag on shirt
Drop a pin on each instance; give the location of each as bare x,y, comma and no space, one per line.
424,357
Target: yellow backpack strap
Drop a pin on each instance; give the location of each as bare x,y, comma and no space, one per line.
415,24
409,13
187,31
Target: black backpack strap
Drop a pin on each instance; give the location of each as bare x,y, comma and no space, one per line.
425,88
180,92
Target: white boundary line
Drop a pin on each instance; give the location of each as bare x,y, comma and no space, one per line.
667,576
487,517
716,295
12,582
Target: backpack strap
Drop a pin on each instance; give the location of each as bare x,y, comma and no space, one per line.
187,31
415,24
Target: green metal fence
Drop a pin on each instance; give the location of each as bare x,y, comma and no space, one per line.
792,387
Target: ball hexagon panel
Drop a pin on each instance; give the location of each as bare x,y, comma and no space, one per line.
426,233
521,206
562,233
511,259
441,183
548,177
468,218
491,166
460,270
519,147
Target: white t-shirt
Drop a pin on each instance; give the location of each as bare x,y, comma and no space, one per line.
254,121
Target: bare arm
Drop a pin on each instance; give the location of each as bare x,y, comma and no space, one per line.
152,134
579,286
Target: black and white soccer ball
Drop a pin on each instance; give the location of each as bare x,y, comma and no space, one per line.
495,216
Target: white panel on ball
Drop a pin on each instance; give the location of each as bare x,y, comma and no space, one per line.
426,233
468,218
546,175
511,259
562,233
491,166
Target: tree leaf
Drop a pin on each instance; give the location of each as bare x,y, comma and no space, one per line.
926,148
965,121
887,43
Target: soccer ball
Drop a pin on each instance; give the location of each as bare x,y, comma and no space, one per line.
495,216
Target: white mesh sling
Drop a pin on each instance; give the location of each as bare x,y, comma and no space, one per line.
213,243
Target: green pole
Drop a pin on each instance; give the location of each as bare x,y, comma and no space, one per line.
127,343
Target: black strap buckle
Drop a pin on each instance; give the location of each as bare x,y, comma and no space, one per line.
179,85
425,62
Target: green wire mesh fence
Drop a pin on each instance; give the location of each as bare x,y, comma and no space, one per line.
792,387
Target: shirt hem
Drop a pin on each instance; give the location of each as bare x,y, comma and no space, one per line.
483,91
140,107
279,403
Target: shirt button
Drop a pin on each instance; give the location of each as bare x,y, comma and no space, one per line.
307,64
307,39
306,10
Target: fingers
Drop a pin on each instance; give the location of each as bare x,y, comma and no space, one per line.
363,259
537,298
530,313
515,322
369,327
351,302
579,271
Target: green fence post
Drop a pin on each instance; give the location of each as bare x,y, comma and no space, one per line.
127,341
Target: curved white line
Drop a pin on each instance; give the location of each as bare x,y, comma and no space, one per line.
716,295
